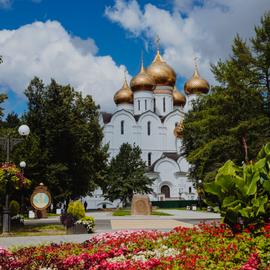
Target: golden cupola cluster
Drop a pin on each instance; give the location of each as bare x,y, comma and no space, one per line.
124,95
159,73
142,81
178,98
196,84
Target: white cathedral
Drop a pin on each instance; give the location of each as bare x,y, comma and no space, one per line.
149,113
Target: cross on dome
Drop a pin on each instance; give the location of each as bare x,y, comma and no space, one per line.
157,42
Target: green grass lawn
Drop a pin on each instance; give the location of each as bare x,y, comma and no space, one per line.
38,230
127,212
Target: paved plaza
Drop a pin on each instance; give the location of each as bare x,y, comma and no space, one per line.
105,222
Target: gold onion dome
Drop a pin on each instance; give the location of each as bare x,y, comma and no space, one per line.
142,81
196,84
123,95
178,98
178,130
162,73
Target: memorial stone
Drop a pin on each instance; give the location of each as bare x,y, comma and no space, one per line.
141,205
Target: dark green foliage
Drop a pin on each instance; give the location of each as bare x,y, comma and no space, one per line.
14,208
232,122
64,150
3,97
12,120
126,175
243,192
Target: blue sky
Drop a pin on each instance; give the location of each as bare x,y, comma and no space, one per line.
89,43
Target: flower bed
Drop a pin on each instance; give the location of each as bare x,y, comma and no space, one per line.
203,247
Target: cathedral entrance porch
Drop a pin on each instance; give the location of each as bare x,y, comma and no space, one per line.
165,189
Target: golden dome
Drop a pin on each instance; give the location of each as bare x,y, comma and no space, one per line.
162,73
196,84
178,98
178,130
142,81
124,95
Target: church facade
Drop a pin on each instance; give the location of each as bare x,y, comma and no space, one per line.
150,113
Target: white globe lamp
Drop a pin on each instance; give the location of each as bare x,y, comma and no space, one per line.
22,164
24,130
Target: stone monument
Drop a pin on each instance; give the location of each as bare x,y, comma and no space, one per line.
141,205
41,200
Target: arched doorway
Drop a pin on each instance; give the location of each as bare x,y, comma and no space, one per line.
166,191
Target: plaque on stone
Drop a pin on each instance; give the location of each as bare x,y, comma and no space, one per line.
41,200
141,205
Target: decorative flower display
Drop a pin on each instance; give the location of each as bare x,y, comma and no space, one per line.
211,246
87,222
11,177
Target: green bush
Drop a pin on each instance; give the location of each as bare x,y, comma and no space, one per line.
14,207
243,192
76,209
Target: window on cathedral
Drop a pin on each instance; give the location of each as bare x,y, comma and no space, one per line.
164,105
148,128
145,104
122,127
139,105
154,105
189,189
175,124
149,159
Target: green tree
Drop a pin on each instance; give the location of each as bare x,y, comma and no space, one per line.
232,121
3,97
126,175
68,136
12,120
261,59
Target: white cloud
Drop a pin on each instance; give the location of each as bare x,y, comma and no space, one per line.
46,50
206,29
127,14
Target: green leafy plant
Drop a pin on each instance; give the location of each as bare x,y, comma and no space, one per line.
14,208
76,209
243,192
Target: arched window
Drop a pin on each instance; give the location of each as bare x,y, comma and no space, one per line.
164,105
149,159
148,128
154,105
139,105
189,190
145,104
175,124
122,127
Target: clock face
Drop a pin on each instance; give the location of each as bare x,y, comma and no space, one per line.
41,200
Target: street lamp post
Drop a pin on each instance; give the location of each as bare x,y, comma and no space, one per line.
199,190
22,166
8,143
